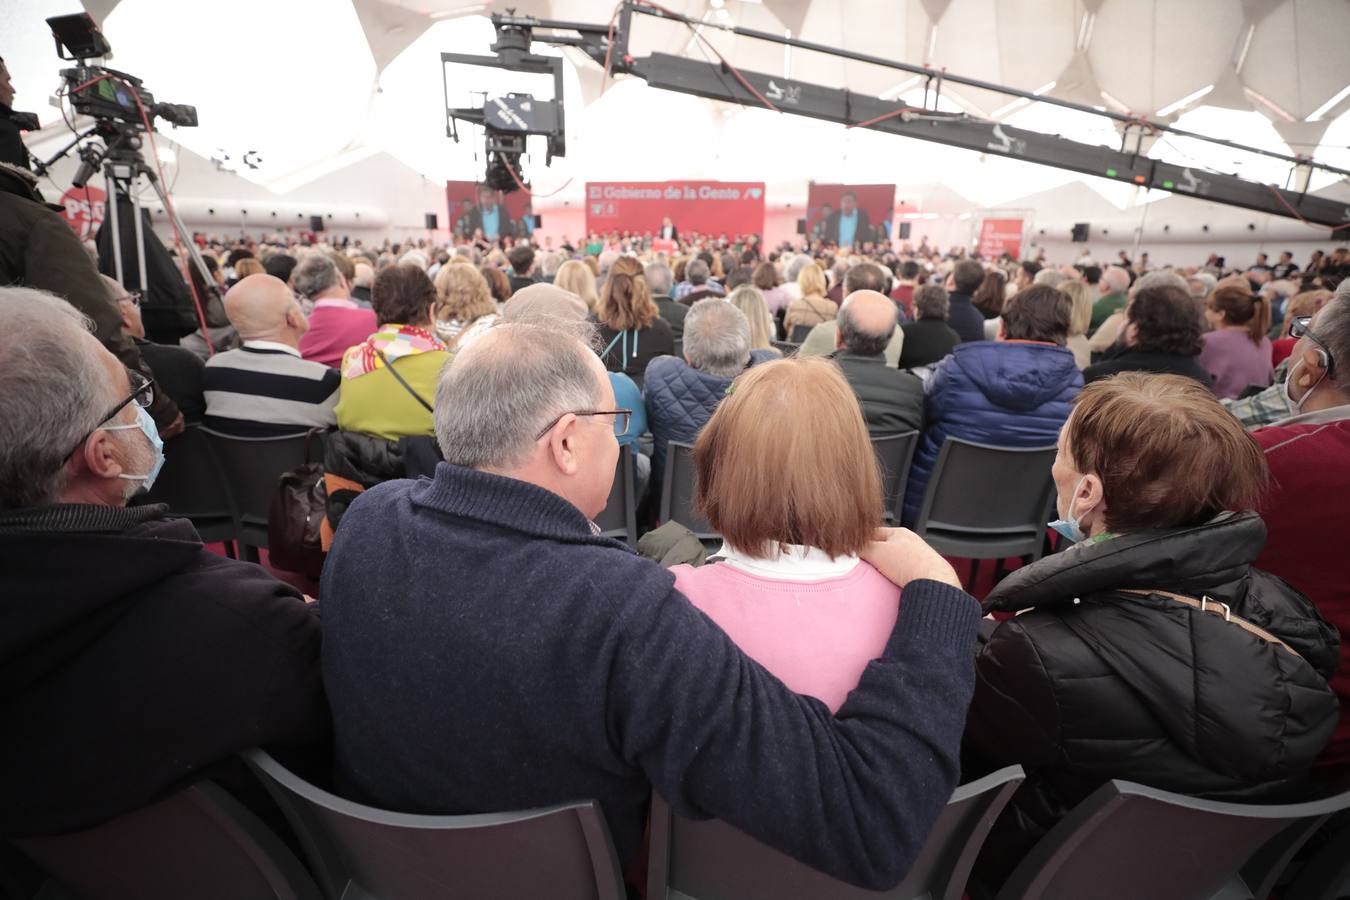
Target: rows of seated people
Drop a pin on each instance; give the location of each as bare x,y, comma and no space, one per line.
483,648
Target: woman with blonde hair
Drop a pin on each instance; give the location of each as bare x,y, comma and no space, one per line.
788,585
762,327
632,331
812,307
464,308
1079,320
577,276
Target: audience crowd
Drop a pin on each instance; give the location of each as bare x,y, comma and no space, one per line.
820,682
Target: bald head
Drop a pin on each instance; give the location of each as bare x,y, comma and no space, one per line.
543,299
262,308
866,323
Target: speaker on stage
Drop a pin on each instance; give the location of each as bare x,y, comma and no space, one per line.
431,221
801,226
904,230
316,223
1080,232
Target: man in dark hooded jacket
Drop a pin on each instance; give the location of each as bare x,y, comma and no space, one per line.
132,660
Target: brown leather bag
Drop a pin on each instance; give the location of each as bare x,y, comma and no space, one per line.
295,519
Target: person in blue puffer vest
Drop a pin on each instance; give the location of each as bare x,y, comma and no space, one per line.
1013,392
682,394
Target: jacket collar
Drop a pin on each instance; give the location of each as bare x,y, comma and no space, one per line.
845,353
506,503
1180,559
78,517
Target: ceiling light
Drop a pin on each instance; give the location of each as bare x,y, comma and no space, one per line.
723,14
1184,101
717,4
1021,101
461,11
166,155
1325,108
1268,104
1112,101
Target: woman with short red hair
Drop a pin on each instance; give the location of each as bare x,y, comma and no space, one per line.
1150,650
795,504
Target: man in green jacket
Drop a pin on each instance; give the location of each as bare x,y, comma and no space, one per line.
1114,285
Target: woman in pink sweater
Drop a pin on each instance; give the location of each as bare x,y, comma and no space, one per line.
795,505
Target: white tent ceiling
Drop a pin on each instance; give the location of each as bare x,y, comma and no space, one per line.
313,86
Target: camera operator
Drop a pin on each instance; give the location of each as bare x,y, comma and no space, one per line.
39,250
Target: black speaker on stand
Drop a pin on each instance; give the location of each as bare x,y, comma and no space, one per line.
431,221
1080,232
316,223
904,231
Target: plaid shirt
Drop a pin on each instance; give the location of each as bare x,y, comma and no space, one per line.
1264,408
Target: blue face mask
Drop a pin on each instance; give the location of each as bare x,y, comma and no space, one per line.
1069,527
147,426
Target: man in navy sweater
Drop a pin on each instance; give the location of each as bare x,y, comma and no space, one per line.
485,650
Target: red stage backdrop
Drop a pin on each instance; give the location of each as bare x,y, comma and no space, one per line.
706,207
84,209
516,203
877,200
999,236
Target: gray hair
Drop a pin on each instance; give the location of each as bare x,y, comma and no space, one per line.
1333,329
1207,284
859,340
794,268
315,274
1161,278
53,391
1050,277
495,396
930,302
659,278
550,264
1115,278
696,272
717,337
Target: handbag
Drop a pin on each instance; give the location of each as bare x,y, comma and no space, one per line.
295,517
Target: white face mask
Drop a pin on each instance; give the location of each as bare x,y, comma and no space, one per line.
1296,406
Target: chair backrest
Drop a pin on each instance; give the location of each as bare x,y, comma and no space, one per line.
799,333
677,490
787,348
1127,841
619,517
562,852
710,860
895,452
986,490
199,843
251,466
192,486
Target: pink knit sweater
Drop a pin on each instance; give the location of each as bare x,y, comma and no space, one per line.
816,636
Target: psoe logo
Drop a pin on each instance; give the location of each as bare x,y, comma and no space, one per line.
754,193
596,192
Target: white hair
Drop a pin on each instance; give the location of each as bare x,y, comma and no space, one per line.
717,337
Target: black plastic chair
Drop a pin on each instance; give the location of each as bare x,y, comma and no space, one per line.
562,852
895,452
199,843
1325,875
1128,841
193,487
787,348
619,517
986,502
799,333
677,491
251,467
710,860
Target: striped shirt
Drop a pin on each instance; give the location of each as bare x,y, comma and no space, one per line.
265,389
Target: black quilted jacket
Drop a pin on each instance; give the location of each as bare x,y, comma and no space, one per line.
1090,684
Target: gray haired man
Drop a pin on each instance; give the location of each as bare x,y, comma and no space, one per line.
485,650
121,631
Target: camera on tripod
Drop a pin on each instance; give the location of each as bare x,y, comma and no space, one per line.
106,94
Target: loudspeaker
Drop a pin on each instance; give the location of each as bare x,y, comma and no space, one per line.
316,223
1080,232
801,226
431,221
904,230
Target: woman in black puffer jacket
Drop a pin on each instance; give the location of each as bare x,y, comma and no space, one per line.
1113,669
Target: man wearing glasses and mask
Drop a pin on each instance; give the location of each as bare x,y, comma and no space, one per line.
135,662
177,370
1307,504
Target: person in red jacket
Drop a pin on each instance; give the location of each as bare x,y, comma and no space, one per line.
1306,505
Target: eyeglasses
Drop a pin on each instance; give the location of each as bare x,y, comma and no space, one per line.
132,297
621,417
142,394
1299,327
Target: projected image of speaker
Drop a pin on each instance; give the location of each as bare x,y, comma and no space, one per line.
316,223
1080,232
431,221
